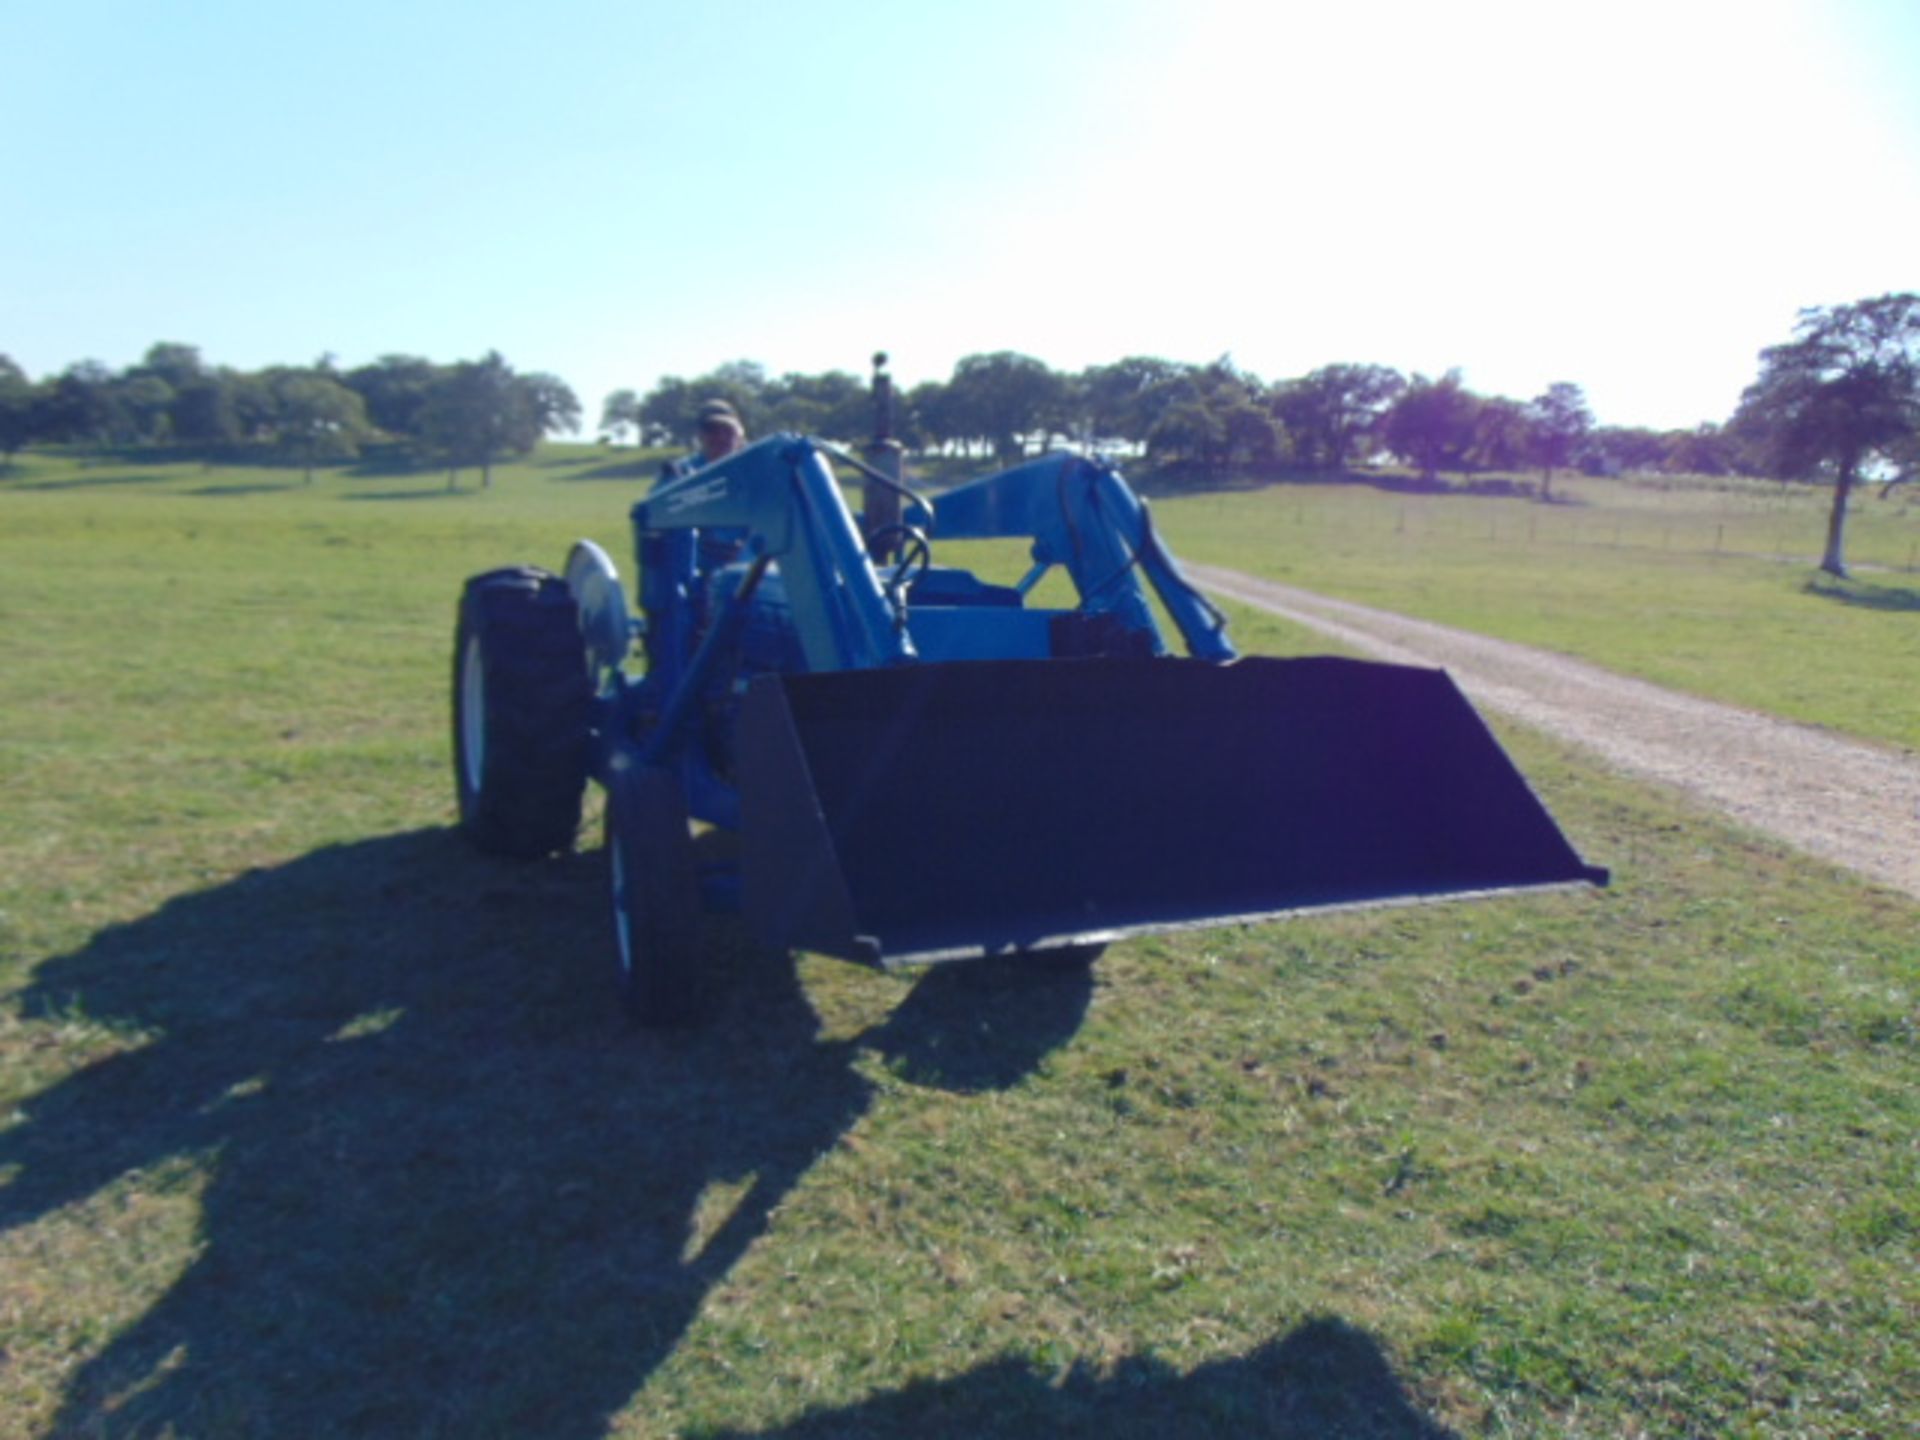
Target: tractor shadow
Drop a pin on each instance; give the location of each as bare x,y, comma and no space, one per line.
1324,1378
447,1190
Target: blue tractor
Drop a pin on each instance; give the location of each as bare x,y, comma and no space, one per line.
922,766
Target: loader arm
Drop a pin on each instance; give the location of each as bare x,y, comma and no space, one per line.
782,493
1082,516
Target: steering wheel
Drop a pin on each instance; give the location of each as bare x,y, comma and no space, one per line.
916,553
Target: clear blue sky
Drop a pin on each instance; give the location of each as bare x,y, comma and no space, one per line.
1634,195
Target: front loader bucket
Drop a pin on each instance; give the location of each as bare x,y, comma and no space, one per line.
936,812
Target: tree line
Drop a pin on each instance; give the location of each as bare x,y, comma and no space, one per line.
1838,403
469,414
1204,417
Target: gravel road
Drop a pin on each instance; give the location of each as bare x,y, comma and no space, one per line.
1847,801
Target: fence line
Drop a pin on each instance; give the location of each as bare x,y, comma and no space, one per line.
1760,536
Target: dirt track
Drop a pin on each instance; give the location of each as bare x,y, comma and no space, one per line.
1846,801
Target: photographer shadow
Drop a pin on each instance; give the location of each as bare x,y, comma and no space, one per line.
442,1188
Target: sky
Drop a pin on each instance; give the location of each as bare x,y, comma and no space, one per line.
1635,195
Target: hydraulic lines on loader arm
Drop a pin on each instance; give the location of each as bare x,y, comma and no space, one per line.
1082,515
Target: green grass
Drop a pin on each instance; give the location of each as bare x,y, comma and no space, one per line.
313,1123
1625,575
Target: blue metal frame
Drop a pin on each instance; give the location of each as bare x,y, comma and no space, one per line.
777,505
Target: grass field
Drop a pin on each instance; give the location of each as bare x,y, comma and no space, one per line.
312,1123
1709,589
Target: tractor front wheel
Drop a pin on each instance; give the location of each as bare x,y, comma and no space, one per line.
522,711
654,884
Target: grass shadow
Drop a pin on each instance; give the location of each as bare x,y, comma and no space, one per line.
447,1190
90,482
1866,595
1324,1378
634,471
437,492
258,488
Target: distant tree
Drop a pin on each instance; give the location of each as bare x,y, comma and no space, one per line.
556,409
1190,431
1127,399
669,410
1502,435
1253,438
16,410
1840,396
179,366
1329,412
140,406
1430,424
76,406
255,408
921,417
204,413
394,390
1705,450
1213,416
619,413
833,404
1560,421
1620,449
742,383
317,419
1002,397
480,413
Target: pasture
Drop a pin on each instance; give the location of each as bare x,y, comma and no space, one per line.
313,1123
1707,587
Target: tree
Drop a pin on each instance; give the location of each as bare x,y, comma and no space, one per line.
176,364
620,413
920,417
669,410
1704,450
834,404
1127,399
1839,397
552,401
142,408
1190,431
204,411
16,410
1430,425
1329,412
76,406
1502,435
316,419
1560,421
480,412
395,389
1002,397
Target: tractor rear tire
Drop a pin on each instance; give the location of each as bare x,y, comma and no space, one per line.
522,713
654,885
